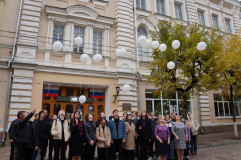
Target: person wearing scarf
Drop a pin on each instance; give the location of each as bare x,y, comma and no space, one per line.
77,139
61,134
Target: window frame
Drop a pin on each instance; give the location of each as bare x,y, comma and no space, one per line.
163,12
140,4
203,14
81,47
96,47
142,52
58,33
181,10
222,101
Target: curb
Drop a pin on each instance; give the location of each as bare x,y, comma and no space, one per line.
218,144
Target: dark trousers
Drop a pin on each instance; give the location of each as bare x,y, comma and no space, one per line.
116,147
137,148
109,152
12,151
89,152
25,153
194,144
143,149
42,153
59,146
129,155
150,147
51,147
186,151
102,153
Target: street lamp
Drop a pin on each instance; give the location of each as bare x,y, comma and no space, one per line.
117,92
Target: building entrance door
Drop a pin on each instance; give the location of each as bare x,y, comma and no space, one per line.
94,104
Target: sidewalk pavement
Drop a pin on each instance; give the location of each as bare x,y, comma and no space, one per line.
215,146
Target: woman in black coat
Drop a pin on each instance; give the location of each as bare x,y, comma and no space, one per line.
144,131
90,129
77,138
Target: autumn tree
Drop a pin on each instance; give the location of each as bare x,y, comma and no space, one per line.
230,74
195,71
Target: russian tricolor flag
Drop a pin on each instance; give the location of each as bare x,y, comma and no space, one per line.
51,91
97,93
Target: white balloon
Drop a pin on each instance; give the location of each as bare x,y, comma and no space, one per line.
82,99
118,52
126,88
201,46
84,58
57,46
162,47
155,44
123,51
176,44
97,58
78,41
170,65
142,40
147,44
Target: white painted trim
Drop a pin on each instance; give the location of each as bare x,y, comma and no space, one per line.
230,18
205,12
220,24
183,6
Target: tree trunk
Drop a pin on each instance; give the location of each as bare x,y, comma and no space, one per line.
235,129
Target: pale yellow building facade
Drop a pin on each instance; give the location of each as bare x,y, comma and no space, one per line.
104,25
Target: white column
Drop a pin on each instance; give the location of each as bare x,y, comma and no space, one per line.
88,40
106,41
49,40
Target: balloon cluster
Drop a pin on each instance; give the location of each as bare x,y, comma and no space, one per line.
84,58
146,43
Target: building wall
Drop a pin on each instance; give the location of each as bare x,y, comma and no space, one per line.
35,61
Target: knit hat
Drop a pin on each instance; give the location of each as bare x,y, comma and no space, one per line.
40,112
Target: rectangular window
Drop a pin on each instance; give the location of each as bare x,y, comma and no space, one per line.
227,24
223,108
79,32
97,42
141,4
201,19
178,11
166,104
58,33
160,6
215,22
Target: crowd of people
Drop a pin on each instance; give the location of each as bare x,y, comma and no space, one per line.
137,135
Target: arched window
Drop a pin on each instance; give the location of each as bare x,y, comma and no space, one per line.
143,53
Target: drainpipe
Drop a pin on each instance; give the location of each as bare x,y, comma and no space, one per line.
11,73
139,76
200,115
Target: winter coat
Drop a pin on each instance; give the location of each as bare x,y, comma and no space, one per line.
56,128
153,126
121,129
130,137
194,124
26,136
90,128
145,131
12,128
101,135
43,129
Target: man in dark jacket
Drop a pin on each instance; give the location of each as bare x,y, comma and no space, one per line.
144,130
90,129
11,132
137,140
42,130
25,138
